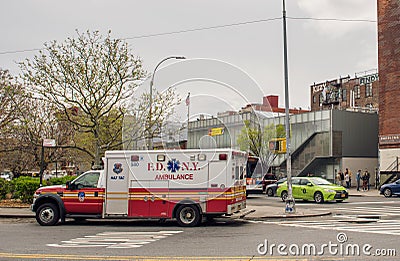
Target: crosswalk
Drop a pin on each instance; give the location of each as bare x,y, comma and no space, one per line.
349,223
116,239
384,210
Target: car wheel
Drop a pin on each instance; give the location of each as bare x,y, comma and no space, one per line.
387,192
284,195
188,216
47,214
318,197
270,192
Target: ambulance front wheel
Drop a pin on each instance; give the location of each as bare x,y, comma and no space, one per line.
188,216
47,214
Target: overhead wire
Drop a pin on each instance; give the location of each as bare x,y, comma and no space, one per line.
212,28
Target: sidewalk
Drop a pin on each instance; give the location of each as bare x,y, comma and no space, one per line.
373,192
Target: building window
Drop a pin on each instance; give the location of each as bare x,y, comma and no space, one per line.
368,90
314,99
344,95
357,92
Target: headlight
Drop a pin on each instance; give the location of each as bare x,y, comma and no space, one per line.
330,190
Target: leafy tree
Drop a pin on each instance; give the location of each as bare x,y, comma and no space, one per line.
256,141
88,79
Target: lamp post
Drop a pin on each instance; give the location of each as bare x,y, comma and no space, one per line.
290,204
149,143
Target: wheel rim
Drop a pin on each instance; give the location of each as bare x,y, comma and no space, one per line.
187,215
284,196
269,192
387,192
47,215
318,197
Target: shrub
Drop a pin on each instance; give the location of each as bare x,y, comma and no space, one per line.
23,188
61,180
4,188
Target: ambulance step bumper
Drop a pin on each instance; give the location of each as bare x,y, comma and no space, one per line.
241,214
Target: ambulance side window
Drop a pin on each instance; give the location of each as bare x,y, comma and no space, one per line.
89,180
237,171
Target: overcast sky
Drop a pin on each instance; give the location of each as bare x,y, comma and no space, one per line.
227,67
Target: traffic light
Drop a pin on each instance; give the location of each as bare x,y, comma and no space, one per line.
277,146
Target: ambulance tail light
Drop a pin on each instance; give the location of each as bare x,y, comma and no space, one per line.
223,156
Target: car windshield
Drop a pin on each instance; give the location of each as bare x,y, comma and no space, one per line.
319,181
281,181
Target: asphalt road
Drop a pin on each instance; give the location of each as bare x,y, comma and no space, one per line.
24,239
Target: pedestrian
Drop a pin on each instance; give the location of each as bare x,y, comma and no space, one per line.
337,178
358,178
364,181
350,176
341,178
347,179
368,177
377,180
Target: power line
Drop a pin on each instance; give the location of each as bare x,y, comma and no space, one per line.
332,19
212,28
202,28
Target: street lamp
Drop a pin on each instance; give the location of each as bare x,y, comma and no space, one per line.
149,145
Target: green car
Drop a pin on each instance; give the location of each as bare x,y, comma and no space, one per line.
313,188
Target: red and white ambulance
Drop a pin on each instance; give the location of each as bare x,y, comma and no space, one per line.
183,184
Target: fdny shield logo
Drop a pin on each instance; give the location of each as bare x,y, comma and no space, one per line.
117,168
81,196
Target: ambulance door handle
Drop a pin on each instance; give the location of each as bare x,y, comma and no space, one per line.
145,198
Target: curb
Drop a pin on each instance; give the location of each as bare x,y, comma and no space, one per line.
17,216
289,216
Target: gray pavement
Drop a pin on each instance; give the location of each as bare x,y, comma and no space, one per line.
260,212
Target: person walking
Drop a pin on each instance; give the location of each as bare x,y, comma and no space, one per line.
368,177
377,180
347,179
364,181
341,178
358,178
337,178
350,176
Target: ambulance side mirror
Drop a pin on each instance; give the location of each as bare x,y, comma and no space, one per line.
68,185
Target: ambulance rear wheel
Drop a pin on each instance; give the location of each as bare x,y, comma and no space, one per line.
188,216
47,214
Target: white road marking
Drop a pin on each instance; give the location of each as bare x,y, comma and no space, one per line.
116,239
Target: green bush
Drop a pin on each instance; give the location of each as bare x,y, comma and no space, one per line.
4,188
23,188
61,180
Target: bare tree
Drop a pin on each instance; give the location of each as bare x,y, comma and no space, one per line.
11,99
88,79
138,126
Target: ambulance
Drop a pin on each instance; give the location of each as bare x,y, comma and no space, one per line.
185,185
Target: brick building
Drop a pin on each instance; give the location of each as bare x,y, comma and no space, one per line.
389,91
358,93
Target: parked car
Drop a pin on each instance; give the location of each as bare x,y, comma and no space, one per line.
313,188
390,189
6,175
271,188
269,178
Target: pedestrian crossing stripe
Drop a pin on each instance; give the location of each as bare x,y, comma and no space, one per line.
116,239
388,227
363,210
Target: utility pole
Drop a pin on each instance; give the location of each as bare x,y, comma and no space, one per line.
290,204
